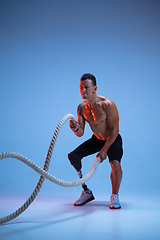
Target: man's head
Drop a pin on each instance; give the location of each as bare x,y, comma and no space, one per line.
88,86
89,76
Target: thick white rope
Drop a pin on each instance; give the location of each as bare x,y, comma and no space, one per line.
43,172
48,175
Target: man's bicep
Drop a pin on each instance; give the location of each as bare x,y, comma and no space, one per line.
113,121
112,115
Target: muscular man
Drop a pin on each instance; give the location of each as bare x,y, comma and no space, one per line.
102,115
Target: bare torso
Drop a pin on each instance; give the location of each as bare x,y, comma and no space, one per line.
98,116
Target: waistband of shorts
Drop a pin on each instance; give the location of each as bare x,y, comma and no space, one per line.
94,137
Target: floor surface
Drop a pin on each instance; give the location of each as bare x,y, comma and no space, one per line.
57,218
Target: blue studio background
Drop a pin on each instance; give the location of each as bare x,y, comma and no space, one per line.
45,47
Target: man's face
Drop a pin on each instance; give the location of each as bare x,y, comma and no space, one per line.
87,89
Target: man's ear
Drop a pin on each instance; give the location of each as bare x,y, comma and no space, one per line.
95,88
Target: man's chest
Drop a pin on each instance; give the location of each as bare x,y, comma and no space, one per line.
94,114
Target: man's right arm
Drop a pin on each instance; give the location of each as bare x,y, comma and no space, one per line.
78,126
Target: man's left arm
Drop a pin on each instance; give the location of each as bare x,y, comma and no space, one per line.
113,123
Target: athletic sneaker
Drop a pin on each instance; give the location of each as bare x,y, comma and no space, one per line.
115,204
86,196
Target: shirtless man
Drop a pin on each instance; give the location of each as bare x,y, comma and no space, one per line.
102,115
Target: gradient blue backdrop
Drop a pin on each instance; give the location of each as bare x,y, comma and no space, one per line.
45,47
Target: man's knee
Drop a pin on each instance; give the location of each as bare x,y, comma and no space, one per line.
75,160
115,165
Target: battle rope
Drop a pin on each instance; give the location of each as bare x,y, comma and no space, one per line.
43,172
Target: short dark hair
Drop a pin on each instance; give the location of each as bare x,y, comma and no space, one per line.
89,76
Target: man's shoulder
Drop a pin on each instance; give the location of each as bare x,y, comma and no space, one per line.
107,104
81,107
104,101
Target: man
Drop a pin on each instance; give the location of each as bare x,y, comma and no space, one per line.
102,115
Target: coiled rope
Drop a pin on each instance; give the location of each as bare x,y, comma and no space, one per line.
43,172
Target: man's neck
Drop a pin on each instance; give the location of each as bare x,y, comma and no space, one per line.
91,102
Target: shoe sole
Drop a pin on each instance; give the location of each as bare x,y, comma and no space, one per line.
88,200
115,207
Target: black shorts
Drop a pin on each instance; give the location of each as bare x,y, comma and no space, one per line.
94,145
